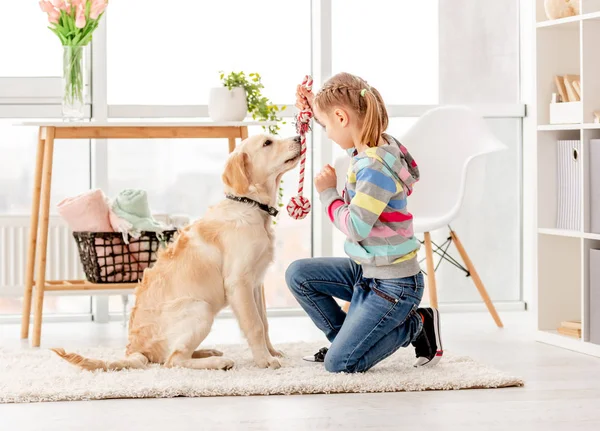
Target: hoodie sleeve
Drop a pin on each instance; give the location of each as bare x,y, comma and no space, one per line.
374,189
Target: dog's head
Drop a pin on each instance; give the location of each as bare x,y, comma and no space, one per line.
260,161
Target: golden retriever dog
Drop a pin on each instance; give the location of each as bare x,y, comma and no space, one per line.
217,261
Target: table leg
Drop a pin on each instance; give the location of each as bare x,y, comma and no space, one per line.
244,132
43,236
231,145
33,234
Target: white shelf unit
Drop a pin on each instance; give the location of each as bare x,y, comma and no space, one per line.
565,46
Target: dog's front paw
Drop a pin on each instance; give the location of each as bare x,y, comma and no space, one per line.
268,362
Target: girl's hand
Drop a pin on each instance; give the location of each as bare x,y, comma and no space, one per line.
304,98
326,179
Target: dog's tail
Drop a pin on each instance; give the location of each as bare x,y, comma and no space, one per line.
135,360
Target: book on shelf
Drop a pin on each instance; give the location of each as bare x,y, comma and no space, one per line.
575,333
571,324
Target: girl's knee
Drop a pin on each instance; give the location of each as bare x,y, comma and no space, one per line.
340,363
294,274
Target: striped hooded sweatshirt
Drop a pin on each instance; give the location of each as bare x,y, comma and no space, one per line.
372,211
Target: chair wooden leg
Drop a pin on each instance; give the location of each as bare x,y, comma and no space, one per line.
346,307
431,284
43,237
33,234
476,279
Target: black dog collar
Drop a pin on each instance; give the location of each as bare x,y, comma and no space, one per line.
266,208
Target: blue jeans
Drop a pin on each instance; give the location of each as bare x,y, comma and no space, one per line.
382,315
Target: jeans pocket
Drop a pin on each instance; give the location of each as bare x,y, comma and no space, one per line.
389,290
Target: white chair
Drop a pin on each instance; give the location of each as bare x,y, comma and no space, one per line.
443,142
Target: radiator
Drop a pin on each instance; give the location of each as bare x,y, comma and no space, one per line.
62,260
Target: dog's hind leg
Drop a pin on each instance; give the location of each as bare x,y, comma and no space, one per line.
187,334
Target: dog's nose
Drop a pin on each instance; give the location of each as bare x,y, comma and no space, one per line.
297,138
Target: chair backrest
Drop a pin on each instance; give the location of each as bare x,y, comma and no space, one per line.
443,141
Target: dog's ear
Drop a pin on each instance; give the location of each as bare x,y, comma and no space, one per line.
237,173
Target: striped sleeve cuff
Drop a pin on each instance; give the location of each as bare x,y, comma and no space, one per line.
328,196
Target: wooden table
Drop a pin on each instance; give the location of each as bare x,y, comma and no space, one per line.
40,206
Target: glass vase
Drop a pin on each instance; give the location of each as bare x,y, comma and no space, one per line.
74,83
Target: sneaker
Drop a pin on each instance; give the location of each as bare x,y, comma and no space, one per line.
428,345
317,357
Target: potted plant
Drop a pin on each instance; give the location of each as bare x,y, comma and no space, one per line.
74,22
239,96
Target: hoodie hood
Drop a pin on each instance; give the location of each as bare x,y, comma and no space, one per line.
395,157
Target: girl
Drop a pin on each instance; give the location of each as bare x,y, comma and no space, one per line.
381,278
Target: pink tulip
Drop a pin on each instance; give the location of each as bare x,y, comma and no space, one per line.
98,7
80,20
54,16
59,4
46,6
75,4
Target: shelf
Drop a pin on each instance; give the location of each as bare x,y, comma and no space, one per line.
561,232
569,22
569,233
575,344
553,127
84,286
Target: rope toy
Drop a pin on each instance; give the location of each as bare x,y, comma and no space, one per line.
299,206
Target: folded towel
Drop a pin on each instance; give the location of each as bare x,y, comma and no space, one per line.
131,214
87,212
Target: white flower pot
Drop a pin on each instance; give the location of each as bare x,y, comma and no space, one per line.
227,105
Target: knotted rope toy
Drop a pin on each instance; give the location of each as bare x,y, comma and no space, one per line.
299,206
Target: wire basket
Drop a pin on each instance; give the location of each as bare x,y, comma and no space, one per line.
106,258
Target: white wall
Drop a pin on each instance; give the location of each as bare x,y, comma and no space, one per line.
479,64
479,51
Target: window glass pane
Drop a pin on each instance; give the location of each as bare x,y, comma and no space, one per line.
70,176
180,66
28,47
391,44
184,177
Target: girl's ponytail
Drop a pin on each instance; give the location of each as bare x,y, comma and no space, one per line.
373,127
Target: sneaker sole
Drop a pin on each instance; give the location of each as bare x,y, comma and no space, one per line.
422,362
311,358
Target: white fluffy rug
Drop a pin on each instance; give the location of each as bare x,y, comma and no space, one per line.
40,375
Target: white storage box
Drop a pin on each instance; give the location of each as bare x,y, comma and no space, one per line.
594,314
594,186
569,173
566,113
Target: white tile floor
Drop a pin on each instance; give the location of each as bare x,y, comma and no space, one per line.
562,389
